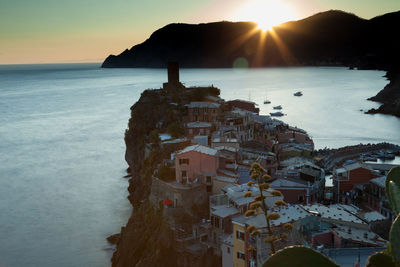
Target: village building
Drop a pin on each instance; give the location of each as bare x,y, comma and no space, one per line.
295,136
375,197
243,105
289,150
342,236
243,240
196,162
347,177
203,111
297,191
337,214
197,128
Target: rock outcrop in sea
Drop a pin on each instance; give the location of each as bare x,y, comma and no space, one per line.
389,96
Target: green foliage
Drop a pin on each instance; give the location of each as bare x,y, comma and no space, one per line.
166,173
393,189
154,137
175,129
298,256
380,260
393,195
394,238
199,93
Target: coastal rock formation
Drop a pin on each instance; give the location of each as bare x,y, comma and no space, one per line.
146,240
389,96
332,38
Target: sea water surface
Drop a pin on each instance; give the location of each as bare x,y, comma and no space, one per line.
62,190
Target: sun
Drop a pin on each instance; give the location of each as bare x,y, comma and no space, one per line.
266,13
265,26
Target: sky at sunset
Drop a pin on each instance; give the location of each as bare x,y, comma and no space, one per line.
50,31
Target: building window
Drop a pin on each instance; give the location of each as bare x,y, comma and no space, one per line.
184,174
240,255
196,110
183,161
240,235
205,118
208,179
190,131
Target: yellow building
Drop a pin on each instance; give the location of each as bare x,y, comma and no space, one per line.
239,244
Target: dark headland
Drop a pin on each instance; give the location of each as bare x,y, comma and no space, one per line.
331,38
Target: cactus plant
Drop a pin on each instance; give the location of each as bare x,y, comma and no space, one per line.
394,238
380,260
298,256
259,176
393,195
393,189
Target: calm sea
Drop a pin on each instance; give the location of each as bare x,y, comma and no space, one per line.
62,149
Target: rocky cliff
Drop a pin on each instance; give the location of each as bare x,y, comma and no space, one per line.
146,240
389,96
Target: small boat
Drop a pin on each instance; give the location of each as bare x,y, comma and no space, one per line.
299,93
267,101
278,107
383,155
368,157
276,114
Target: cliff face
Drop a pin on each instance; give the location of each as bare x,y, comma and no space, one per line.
389,96
146,240
327,38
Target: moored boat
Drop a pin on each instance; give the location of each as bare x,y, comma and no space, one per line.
276,114
299,93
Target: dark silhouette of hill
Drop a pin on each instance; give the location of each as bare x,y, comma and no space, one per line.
328,38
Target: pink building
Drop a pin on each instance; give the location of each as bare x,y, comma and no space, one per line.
196,161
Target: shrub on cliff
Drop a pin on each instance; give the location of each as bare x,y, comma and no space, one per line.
199,93
175,129
166,173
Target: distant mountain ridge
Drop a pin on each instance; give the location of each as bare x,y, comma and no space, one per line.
328,38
